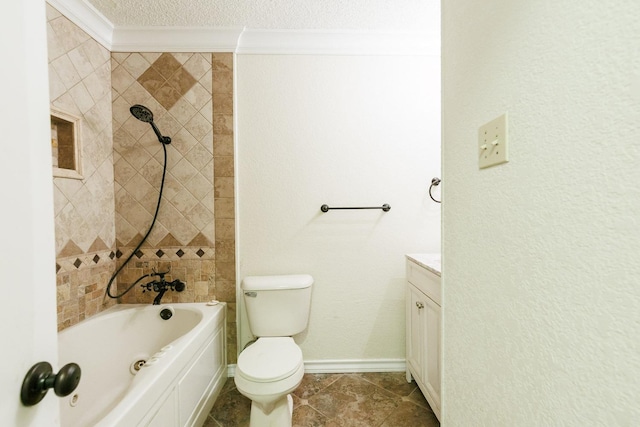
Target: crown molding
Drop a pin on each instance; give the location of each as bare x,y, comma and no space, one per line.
243,40
175,39
337,42
87,17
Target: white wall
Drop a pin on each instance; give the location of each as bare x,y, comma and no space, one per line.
541,255
346,131
27,252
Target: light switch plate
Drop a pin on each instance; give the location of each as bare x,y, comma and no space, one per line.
492,143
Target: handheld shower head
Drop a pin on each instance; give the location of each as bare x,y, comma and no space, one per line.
143,114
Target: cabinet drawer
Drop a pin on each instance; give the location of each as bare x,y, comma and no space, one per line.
426,281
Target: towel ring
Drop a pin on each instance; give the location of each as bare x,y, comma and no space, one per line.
434,183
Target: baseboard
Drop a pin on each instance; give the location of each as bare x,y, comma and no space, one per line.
346,366
231,370
354,365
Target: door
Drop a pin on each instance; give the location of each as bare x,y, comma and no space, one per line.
27,250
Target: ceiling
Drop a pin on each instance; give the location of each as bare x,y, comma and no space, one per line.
369,15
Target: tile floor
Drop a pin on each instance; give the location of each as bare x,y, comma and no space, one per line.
358,400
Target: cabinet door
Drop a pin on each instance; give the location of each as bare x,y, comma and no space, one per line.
431,372
415,330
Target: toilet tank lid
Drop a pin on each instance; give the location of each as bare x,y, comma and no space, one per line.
274,283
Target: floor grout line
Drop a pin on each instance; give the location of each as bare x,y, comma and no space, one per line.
236,407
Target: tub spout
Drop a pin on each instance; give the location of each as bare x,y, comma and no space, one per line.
156,300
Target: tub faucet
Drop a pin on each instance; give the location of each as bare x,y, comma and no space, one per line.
161,286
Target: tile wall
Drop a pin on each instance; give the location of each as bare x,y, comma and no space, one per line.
193,236
79,84
101,218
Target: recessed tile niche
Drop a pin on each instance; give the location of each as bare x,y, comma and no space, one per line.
66,152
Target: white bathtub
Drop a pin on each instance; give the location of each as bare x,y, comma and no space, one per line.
184,371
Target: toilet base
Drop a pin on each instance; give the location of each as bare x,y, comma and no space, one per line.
279,416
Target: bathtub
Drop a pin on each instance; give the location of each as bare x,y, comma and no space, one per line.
138,369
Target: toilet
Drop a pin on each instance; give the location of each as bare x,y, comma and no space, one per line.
272,367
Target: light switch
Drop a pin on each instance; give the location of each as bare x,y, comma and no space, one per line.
492,143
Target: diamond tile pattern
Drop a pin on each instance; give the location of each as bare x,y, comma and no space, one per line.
79,84
167,87
166,80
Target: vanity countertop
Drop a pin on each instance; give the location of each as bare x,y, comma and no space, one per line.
431,262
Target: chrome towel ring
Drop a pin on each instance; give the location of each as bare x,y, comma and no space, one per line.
434,183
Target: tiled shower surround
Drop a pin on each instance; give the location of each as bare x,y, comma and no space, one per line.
80,84
193,237
100,219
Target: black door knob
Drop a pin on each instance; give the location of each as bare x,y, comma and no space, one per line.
41,378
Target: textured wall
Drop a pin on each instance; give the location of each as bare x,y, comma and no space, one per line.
344,131
80,84
540,273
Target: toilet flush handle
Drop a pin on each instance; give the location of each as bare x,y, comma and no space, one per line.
251,294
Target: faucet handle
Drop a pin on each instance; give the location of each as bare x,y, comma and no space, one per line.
178,285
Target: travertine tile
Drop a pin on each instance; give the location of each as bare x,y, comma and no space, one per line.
80,61
197,65
151,57
166,65
225,207
198,96
56,86
223,187
69,35
223,145
223,103
222,124
183,111
66,71
121,79
222,61
198,126
223,166
182,81
135,64
198,156
225,250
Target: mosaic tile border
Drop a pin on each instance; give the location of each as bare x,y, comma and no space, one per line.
90,259
174,253
95,259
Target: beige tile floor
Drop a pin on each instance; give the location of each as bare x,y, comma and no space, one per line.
354,400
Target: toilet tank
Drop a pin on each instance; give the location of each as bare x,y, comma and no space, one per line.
277,306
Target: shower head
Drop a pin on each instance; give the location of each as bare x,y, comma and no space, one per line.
143,114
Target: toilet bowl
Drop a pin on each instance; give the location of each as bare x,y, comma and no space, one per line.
266,372
272,367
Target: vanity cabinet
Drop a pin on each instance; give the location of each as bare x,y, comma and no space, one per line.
423,311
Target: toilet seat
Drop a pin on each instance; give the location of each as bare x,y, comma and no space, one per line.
270,359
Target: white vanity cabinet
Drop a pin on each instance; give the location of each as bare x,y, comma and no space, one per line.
423,303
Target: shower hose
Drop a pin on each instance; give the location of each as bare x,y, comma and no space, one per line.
155,216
